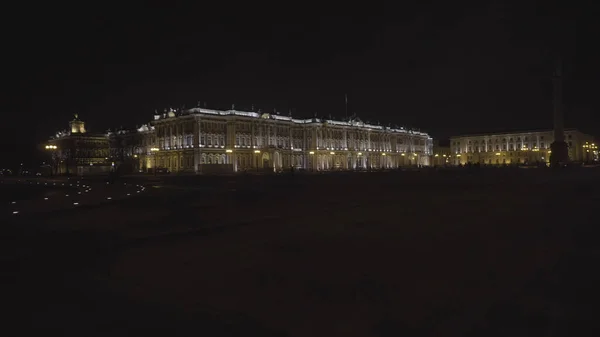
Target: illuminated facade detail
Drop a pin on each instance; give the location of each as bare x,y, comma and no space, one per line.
77,125
527,147
206,140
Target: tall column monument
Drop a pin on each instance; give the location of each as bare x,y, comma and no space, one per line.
560,149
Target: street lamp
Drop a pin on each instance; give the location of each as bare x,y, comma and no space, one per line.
52,148
154,150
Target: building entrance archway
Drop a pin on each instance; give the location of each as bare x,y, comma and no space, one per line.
266,160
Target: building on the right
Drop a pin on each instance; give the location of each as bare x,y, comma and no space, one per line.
525,147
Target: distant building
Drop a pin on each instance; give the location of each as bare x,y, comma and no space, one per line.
442,156
76,151
527,147
206,140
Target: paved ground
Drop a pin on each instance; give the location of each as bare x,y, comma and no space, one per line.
452,253
43,195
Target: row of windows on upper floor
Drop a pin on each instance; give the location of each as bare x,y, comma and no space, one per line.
244,140
163,131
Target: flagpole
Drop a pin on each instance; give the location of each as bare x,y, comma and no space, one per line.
346,106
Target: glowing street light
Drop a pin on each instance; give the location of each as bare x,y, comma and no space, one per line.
154,150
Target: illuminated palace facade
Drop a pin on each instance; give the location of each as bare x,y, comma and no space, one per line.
519,147
206,140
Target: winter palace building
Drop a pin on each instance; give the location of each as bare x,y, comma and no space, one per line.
207,140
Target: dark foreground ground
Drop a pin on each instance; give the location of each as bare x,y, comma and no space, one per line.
465,253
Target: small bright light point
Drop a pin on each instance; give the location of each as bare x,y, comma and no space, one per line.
78,192
75,203
66,195
128,193
15,212
45,198
14,202
138,191
108,198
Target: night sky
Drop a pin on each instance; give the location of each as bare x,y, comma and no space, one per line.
445,67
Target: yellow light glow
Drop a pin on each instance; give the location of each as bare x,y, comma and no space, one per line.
154,149
331,152
437,155
229,150
360,153
256,151
458,155
444,155
311,152
383,154
135,156
402,155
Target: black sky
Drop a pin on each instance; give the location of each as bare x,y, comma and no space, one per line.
446,67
